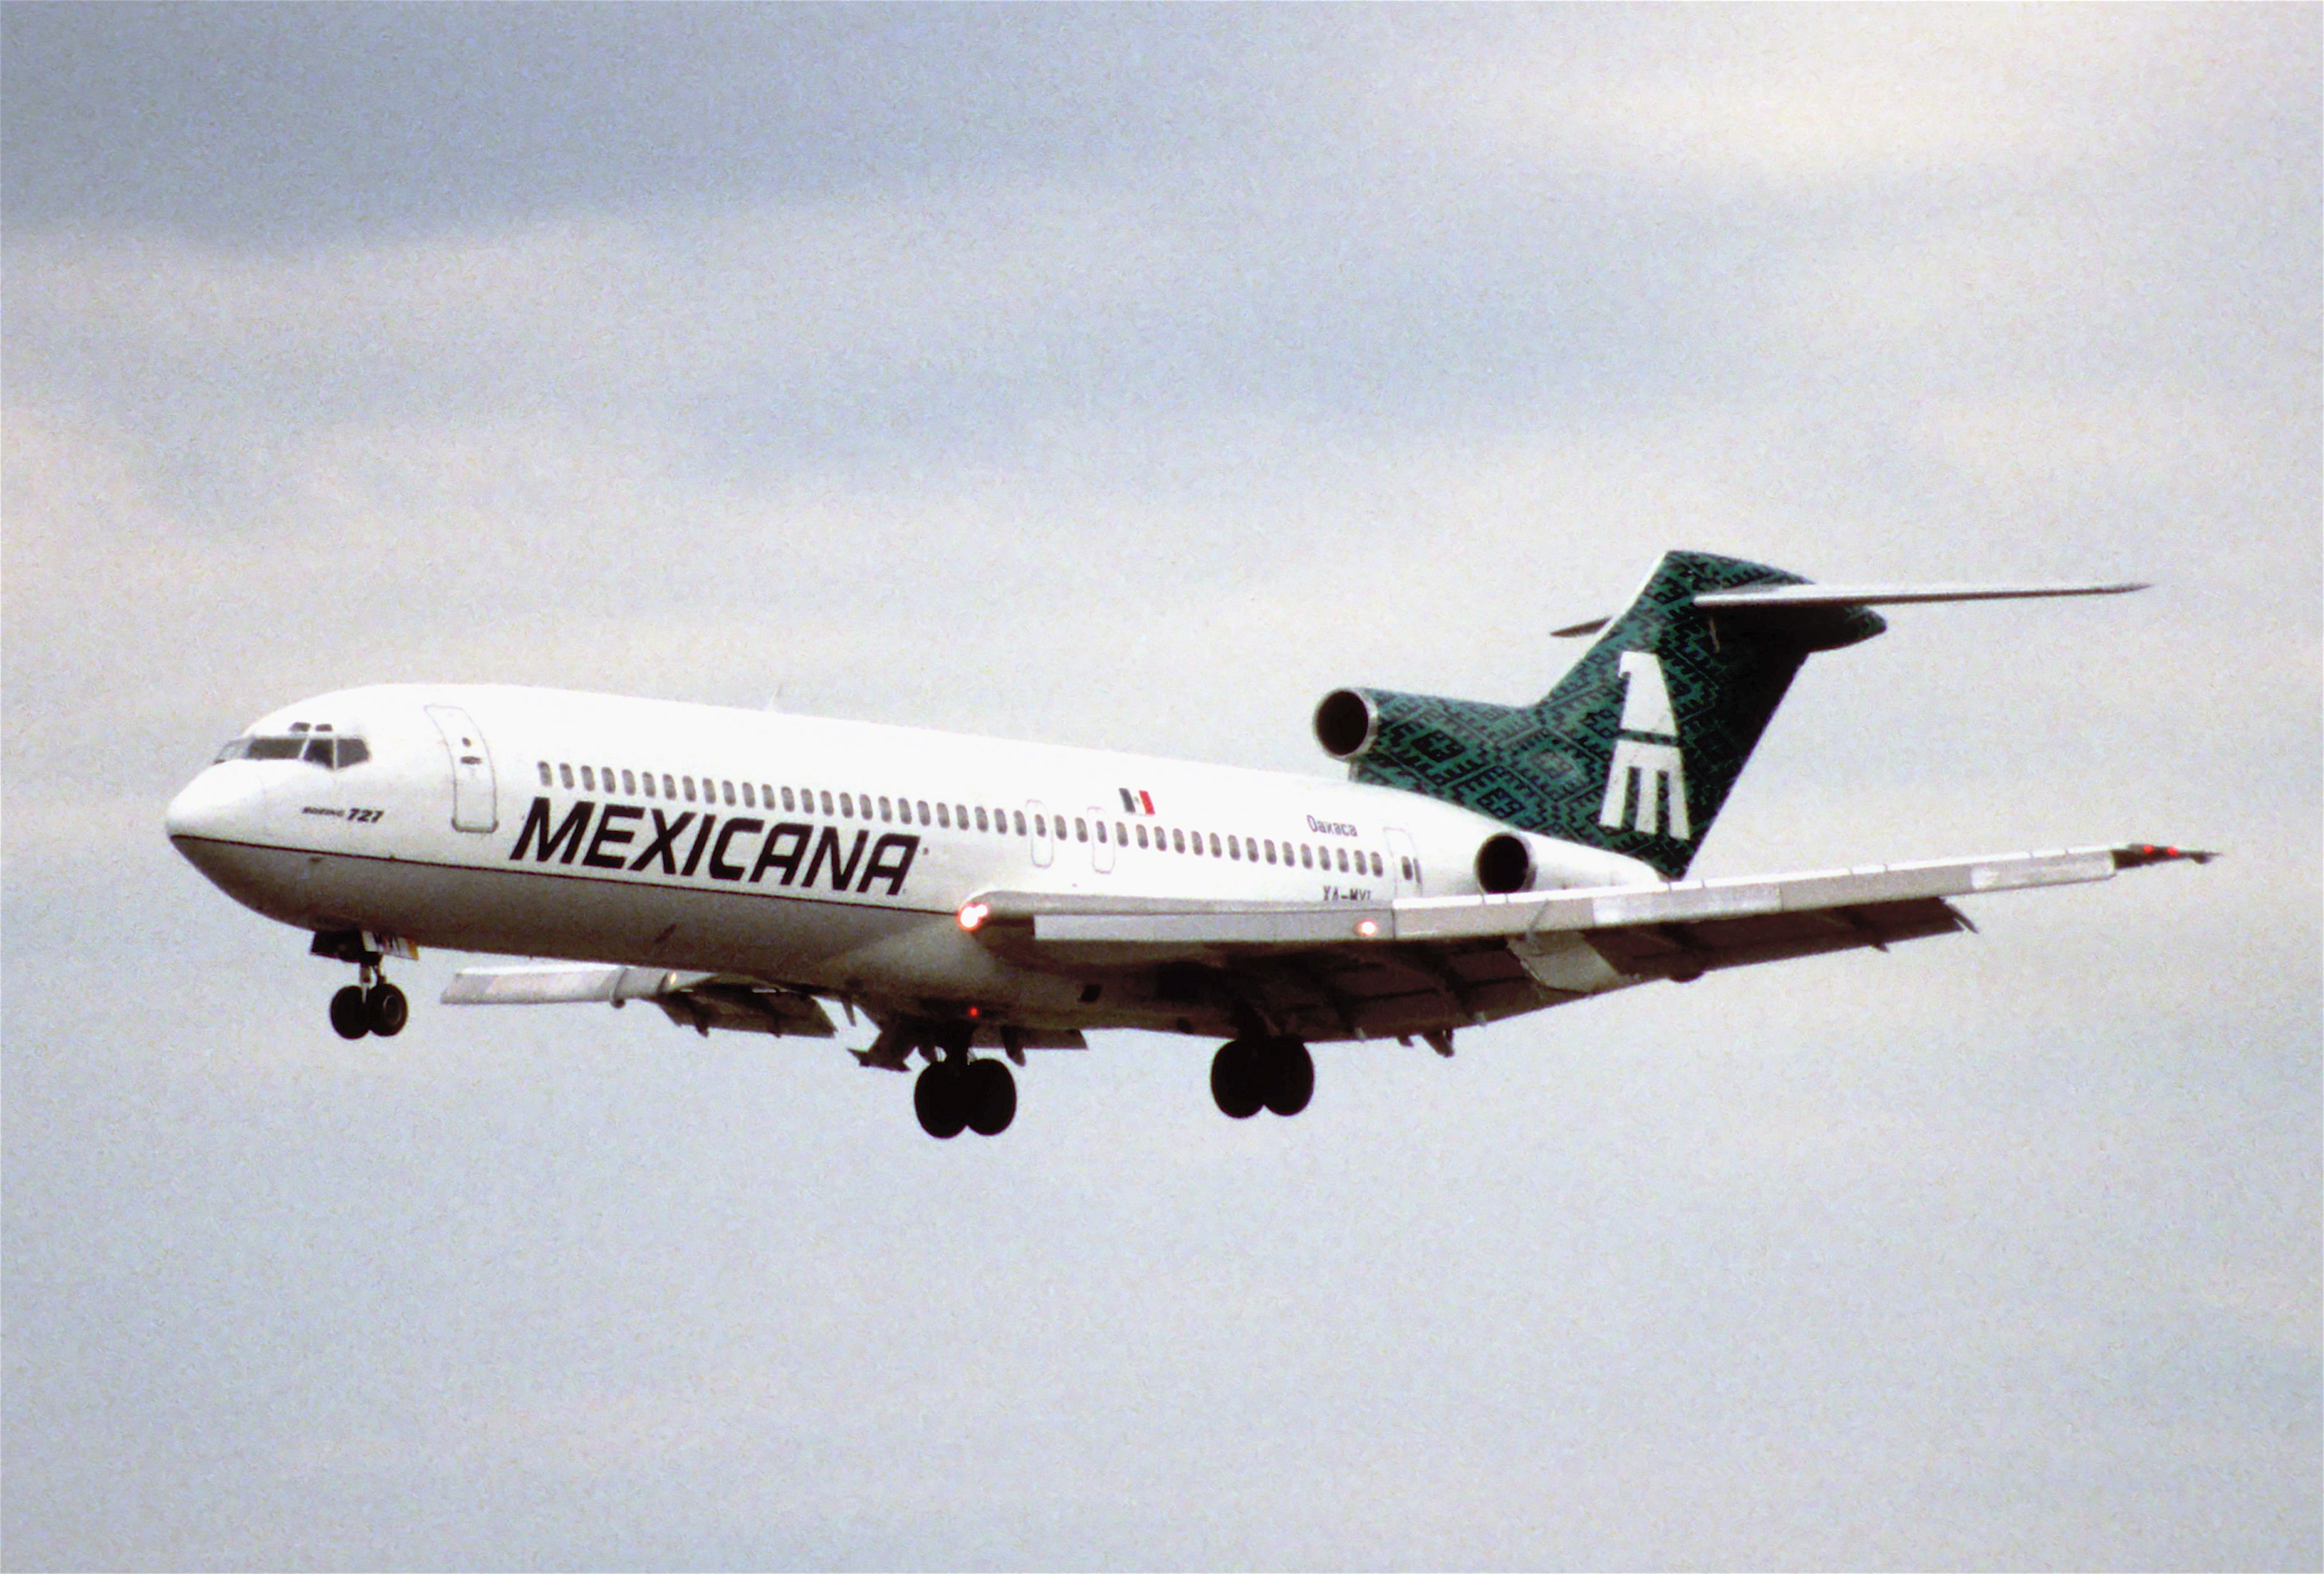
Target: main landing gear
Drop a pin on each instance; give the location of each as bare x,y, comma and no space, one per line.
956,1092
1247,1075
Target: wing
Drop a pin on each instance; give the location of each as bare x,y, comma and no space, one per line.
1415,966
700,1001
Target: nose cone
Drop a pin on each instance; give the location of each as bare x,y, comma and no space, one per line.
223,804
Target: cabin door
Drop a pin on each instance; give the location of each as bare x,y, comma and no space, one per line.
475,805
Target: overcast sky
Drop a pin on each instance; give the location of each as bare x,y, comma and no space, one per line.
1131,377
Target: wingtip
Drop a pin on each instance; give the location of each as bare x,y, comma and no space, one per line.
2138,855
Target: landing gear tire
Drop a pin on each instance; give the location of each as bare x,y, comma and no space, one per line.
1235,1079
385,1010
989,1095
1286,1075
348,1015
939,1100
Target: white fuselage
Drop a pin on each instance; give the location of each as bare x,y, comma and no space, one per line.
833,856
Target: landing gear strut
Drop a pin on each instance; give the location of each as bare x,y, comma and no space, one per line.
1247,1075
956,1092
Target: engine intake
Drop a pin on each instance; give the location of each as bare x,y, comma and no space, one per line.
1504,865
1347,723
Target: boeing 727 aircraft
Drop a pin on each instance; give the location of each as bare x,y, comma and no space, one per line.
737,869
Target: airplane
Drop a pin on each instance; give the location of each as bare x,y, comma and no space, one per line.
738,869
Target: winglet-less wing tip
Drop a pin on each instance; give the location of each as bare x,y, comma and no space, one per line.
2138,855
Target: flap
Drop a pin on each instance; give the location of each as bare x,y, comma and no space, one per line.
698,1000
1096,925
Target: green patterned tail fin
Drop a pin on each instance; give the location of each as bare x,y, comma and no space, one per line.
1656,723
1637,748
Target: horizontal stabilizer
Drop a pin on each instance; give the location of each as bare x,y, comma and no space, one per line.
1808,597
1804,596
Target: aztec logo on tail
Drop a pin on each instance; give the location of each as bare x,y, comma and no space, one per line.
1650,760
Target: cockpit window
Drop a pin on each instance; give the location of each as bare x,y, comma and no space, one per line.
316,746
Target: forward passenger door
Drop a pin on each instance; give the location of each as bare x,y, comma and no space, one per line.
475,795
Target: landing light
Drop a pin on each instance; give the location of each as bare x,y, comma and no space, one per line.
1367,927
974,913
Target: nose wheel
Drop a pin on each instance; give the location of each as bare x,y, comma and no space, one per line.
377,1007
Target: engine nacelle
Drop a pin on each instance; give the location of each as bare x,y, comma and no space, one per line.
1347,724
1504,865
1386,729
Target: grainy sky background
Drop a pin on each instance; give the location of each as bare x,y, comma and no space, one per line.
1130,377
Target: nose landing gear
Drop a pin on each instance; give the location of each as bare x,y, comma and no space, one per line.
375,1006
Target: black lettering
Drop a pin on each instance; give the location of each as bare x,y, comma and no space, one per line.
840,874
720,869
796,834
608,835
567,835
902,849
666,834
701,840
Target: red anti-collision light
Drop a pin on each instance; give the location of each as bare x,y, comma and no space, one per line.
973,914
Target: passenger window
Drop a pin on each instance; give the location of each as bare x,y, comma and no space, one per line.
629,781
1379,869
1214,844
1341,854
1269,844
688,783
923,807
883,809
668,785
1178,840
1141,836
1101,831
646,779
943,815
1081,829
959,815
588,782
1016,817
565,773
847,806
982,822
1234,848
546,779
605,775
750,799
